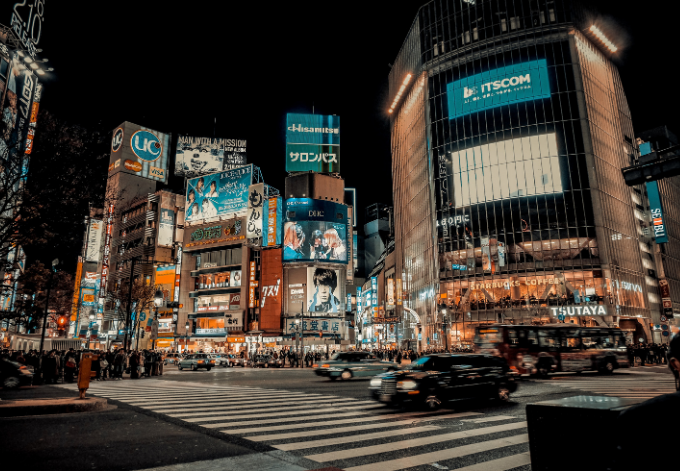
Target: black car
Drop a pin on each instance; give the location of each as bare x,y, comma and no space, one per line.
434,380
13,374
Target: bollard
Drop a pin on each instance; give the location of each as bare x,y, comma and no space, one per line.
84,374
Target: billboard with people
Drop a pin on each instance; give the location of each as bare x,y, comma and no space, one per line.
219,194
315,230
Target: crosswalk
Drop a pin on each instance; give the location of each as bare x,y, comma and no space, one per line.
348,433
633,387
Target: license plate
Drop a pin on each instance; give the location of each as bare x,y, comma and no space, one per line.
385,398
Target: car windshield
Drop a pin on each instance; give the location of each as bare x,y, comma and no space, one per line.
424,364
335,356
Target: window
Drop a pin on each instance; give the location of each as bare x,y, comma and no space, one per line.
548,338
514,22
571,339
504,24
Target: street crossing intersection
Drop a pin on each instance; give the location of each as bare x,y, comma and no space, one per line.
347,433
625,386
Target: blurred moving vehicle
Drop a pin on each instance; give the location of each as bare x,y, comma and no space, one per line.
220,359
196,361
13,374
551,348
434,380
275,362
235,360
347,365
171,358
261,361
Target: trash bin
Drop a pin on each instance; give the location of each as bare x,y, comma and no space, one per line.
574,433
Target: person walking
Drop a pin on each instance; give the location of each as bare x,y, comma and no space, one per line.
134,365
50,368
70,365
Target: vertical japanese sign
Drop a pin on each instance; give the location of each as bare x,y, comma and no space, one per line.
107,251
390,292
255,212
178,270
349,302
94,240
374,294
358,299
34,119
76,292
398,292
658,221
252,285
350,240
166,228
272,205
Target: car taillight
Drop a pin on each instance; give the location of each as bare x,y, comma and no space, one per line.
325,365
212,361
23,368
315,365
200,361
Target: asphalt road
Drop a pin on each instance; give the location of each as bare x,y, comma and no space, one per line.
290,420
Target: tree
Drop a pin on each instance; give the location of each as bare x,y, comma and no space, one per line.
141,300
31,296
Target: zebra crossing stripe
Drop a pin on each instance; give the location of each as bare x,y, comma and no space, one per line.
441,455
493,418
194,398
290,405
412,418
500,464
300,418
411,443
355,438
295,411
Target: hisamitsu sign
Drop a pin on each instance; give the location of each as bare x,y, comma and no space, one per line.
505,85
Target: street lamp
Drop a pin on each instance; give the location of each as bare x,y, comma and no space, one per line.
158,302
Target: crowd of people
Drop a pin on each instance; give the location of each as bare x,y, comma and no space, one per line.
54,366
651,353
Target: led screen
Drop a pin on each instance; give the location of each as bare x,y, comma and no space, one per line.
323,290
502,86
315,230
312,143
219,194
511,168
140,151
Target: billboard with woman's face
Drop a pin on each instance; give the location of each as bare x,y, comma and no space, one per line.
315,230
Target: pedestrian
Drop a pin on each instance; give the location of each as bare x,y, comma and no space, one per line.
70,365
50,368
96,366
134,365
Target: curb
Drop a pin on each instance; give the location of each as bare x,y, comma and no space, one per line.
51,406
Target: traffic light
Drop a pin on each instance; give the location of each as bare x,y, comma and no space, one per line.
62,322
321,334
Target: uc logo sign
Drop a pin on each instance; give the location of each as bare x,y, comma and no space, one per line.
117,140
146,146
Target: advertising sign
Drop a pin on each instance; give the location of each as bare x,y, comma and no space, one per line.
252,285
20,89
512,84
140,151
166,228
235,302
390,292
359,299
219,194
34,119
273,212
315,230
312,143
399,294
327,326
657,214
255,213
203,155
523,166
323,290
94,240
271,291
107,251
231,231
233,320
165,279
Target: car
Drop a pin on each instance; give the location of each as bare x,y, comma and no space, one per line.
171,358
261,361
13,374
275,362
196,361
434,380
220,359
346,365
235,360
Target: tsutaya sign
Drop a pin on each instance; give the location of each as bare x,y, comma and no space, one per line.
579,311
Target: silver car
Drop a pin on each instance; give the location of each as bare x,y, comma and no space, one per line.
346,365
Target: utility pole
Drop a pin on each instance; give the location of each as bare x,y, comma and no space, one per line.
55,262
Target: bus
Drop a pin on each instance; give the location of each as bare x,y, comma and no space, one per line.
539,350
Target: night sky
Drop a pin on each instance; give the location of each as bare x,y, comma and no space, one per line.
176,69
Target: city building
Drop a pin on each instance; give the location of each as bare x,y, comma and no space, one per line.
666,254
510,127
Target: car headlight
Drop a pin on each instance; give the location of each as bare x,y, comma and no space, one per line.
408,384
376,382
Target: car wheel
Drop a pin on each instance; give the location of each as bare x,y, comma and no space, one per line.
194,367
607,367
208,368
332,378
502,393
179,367
346,375
390,370
543,370
11,382
432,402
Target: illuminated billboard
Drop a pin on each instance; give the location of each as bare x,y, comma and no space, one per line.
315,230
219,194
140,151
503,86
312,143
323,290
203,155
511,168
657,213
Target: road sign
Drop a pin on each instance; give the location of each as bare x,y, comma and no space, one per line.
665,333
561,317
664,327
667,303
663,319
142,317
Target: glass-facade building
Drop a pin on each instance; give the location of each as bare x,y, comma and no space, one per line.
510,127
